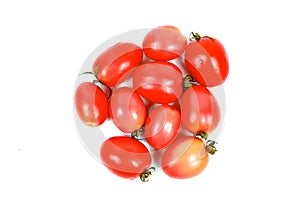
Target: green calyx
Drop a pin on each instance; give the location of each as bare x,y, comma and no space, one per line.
196,36
210,147
145,175
189,81
210,144
137,133
203,135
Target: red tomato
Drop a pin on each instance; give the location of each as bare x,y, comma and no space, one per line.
116,61
176,104
159,82
206,60
162,125
185,158
91,104
164,43
200,111
125,156
127,109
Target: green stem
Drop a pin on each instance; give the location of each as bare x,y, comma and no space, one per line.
194,36
107,90
86,73
92,73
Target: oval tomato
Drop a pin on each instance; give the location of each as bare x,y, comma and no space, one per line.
159,82
161,126
125,156
185,158
91,104
127,109
164,43
200,111
114,63
206,60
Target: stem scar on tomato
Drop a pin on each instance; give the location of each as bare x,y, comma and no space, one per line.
107,90
145,175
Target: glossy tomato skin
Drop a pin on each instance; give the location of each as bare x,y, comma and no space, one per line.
115,63
159,82
206,60
127,109
185,158
199,110
125,156
162,125
91,104
164,43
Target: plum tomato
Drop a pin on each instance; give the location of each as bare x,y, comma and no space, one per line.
158,82
115,62
161,126
91,104
185,158
206,60
127,109
164,43
200,110
125,156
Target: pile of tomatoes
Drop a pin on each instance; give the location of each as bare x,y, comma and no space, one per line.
166,102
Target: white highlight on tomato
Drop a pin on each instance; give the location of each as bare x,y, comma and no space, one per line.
86,109
200,60
215,64
115,158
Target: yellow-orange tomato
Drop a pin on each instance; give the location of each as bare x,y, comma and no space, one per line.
185,158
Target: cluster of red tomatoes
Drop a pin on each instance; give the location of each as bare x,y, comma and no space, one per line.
158,104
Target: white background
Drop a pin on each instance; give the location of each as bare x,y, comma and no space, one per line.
43,45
